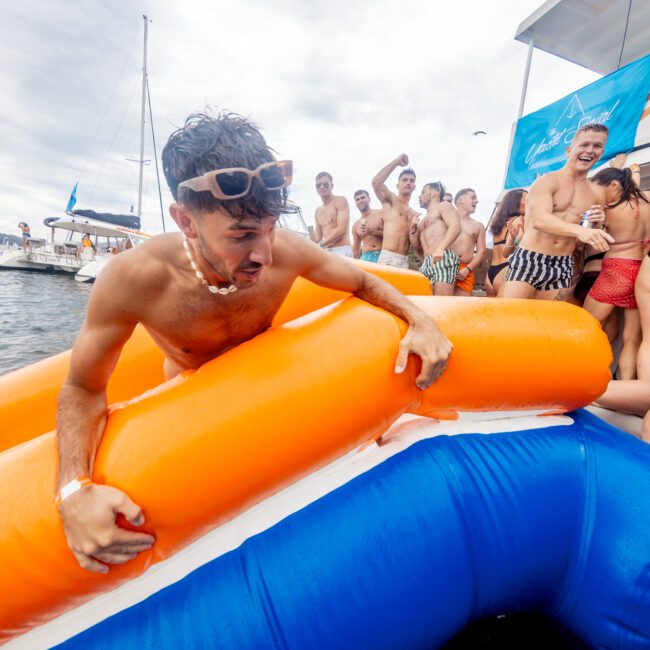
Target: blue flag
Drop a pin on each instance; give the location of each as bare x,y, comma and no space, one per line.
542,137
73,198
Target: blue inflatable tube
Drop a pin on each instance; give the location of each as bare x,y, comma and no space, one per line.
450,530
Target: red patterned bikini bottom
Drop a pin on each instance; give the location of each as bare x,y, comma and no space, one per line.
615,284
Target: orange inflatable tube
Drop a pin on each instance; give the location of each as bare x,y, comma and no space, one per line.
28,396
203,448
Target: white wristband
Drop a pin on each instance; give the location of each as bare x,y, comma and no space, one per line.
70,488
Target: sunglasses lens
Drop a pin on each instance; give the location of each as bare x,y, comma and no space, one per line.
274,177
232,183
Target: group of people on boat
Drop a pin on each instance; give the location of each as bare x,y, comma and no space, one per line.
221,279
574,238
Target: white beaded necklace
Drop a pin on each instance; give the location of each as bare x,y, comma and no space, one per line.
199,274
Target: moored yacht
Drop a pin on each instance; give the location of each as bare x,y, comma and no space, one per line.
89,240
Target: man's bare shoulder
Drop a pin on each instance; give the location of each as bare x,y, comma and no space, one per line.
547,183
139,272
340,201
446,208
291,250
474,224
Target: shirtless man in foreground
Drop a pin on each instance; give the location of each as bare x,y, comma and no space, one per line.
332,218
432,238
397,213
542,265
199,293
368,231
470,244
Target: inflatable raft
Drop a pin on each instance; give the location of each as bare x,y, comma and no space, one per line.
204,449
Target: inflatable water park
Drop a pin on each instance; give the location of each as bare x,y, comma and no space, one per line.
304,495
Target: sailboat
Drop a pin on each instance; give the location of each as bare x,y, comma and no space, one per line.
91,238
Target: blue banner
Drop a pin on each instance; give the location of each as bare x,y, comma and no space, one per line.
541,138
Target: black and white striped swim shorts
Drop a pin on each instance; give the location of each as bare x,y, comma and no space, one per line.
544,272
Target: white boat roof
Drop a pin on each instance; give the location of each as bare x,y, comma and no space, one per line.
93,227
590,33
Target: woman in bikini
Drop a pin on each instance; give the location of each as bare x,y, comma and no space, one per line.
506,228
627,219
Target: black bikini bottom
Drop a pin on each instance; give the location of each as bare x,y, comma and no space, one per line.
493,271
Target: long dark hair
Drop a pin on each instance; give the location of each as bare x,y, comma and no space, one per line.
629,190
509,207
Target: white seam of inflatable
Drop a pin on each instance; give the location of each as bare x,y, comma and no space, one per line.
405,432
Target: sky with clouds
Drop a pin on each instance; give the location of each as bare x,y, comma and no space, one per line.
341,86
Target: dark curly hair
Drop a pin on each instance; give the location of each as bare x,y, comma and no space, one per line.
509,207
205,143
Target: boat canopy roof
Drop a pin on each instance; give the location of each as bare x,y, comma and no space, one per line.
93,227
595,34
124,220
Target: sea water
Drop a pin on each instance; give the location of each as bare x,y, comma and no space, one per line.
40,315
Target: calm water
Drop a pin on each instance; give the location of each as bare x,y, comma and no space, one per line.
40,315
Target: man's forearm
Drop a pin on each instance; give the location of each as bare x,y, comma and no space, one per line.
477,260
450,237
381,294
334,236
414,239
81,420
382,176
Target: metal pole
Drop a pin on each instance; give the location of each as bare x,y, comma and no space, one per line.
522,101
524,88
155,157
142,115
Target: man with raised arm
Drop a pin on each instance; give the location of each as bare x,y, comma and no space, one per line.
368,231
397,213
332,218
198,292
470,244
432,238
542,264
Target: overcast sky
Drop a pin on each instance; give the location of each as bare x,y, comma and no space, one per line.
341,86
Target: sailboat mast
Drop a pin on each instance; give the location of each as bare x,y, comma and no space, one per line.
142,115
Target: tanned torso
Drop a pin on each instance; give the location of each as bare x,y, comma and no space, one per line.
571,198
190,324
397,222
432,229
629,227
465,243
327,217
372,240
